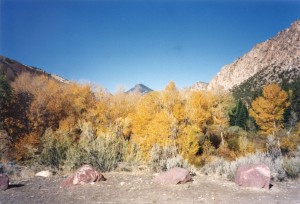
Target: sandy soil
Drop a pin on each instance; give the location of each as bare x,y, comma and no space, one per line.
125,187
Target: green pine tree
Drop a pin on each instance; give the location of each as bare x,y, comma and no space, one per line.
5,96
239,115
292,114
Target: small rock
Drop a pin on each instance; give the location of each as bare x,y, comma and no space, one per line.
122,183
45,174
4,182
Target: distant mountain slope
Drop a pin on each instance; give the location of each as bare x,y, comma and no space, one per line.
271,74
198,86
13,68
140,88
266,62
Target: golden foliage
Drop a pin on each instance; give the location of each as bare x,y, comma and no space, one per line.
268,109
166,118
161,119
22,145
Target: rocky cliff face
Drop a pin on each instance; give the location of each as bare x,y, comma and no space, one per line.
282,51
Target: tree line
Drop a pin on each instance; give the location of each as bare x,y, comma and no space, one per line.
199,125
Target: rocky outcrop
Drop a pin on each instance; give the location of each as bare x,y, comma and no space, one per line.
174,176
255,175
282,51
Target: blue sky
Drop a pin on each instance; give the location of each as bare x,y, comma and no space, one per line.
122,43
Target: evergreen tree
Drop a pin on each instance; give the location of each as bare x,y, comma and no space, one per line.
242,117
232,116
5,96
239,115
295,103
292,114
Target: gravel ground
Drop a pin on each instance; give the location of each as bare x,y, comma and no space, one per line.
128,187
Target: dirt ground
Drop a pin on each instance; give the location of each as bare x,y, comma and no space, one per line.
128,187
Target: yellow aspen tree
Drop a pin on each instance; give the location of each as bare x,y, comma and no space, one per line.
222,103
188,143
198,109
174,105
148,123
268,109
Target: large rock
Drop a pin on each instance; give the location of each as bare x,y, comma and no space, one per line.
4,182
174,176
255,175
85,174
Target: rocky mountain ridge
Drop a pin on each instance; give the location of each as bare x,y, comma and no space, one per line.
281,52
13,68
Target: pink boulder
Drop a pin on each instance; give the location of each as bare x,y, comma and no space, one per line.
174,176
4,182
85,174
255,175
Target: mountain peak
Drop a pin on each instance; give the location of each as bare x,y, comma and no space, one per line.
140,88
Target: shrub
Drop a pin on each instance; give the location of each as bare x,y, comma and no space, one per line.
233,144
288,144
55,147
226,169
61,150
165,158
133,154
273,147
104,152
245,146
225,152
292,165
24,144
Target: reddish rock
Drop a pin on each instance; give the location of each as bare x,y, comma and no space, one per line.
255,175
174,176
4,182
85,174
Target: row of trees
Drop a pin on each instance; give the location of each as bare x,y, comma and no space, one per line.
267,110
196,123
